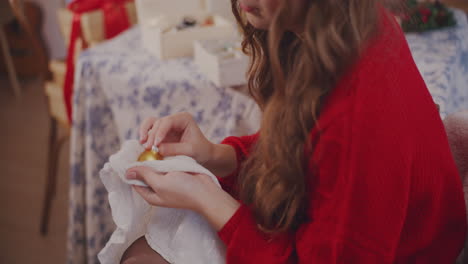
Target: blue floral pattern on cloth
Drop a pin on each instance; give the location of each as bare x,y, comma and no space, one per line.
442,59
118,84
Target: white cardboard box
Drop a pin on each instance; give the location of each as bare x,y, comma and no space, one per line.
173,43
223,68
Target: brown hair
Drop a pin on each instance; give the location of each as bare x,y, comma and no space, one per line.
289,77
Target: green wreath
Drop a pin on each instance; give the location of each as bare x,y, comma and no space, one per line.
426,16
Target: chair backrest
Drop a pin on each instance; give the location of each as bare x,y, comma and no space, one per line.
18,9
456,126
6,12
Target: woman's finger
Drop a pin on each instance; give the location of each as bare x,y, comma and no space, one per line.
174,149
151,178
177,122
144,127
146,175
151,134
171,137
149,195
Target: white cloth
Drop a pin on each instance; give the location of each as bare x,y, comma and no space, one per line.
180,236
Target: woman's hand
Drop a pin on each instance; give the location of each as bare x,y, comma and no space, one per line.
172,189
177,134
196,192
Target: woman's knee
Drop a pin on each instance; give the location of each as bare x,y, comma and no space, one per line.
140,252
144,259
131,260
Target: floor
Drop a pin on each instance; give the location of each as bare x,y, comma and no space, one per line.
24,127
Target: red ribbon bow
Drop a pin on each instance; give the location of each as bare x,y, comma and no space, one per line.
115,21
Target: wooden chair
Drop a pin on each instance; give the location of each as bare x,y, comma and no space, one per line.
14,9
58,119
6,16
11,10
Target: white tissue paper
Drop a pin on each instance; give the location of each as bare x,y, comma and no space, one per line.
180,236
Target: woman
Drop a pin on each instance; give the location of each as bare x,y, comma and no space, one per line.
351,163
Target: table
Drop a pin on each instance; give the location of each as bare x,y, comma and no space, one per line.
118,84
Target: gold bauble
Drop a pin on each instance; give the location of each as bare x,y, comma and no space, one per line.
150,155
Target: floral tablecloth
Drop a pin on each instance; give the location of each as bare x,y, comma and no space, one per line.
442,59
118,84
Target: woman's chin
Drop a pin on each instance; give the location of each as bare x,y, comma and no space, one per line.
257,22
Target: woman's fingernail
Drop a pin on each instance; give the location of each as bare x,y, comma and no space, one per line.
154,149
157,141
131,175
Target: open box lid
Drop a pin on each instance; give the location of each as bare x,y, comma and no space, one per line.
148,9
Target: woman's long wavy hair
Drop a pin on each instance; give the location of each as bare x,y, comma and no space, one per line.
289,77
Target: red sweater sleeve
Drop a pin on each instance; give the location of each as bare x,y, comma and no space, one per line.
242,146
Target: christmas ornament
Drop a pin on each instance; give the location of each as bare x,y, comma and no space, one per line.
150,155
